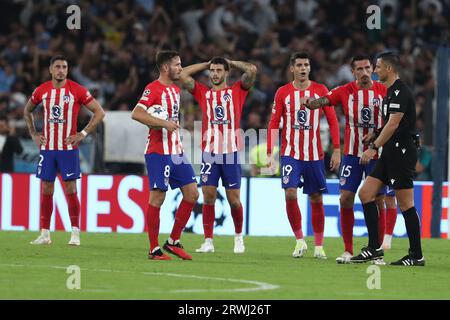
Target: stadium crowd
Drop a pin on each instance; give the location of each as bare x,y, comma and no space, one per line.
113,53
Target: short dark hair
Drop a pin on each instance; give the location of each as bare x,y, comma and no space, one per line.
359,58
391,59
220,60
298,55
163,57
57,57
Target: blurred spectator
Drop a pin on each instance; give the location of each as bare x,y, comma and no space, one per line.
9,145
113,53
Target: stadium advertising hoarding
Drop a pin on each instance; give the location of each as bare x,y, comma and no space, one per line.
118,204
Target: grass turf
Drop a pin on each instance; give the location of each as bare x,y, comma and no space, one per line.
115,266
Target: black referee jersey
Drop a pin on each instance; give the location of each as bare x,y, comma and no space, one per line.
396,166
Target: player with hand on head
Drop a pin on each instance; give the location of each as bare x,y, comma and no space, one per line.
361,101
221,107
164,157
61,99
301,150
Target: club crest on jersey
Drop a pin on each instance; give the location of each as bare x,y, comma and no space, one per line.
366,114
227,97
39,170
176,108
376,102
56,111
66,99
219,112
166,181
146,92
342,181
286,179
204,178
302,117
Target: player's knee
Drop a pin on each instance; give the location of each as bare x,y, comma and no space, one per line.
191,196
404,205
234,203
47,188
365,195
316,197
157,198
291,194
209,198
346,201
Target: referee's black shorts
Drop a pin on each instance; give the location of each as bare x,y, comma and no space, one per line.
396,166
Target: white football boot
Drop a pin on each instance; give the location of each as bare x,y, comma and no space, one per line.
300,248
344,258
319,253
44,238
206,246
239,244
75,237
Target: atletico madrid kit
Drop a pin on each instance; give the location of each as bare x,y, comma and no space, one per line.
221,140
166,163
61,107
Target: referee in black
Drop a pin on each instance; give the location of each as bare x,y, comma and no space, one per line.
396,165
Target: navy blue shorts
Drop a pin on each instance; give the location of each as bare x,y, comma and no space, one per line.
165,169
67,161
312,172
226,166
351,173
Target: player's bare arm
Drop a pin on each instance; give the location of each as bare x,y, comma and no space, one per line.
98,115
28,116
385,135
313,104
186,75
140,115
249,69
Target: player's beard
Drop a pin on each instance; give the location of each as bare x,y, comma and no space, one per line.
174,75
60,78
218,82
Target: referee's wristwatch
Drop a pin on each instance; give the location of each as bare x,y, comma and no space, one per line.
373,146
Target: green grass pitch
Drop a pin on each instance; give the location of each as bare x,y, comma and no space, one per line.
115,266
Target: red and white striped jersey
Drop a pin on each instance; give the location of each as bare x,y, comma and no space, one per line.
61,107
221,117
301,126
362,113
160,140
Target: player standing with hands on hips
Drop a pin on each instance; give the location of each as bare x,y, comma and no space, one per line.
61,99
396,165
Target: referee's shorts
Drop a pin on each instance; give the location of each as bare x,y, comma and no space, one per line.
396,166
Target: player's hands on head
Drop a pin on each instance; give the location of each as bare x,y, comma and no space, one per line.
171,126
75,139
39,139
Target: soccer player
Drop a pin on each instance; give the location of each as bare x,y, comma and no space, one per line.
396,165
61,99
221,107
301,150
166,163
361,100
